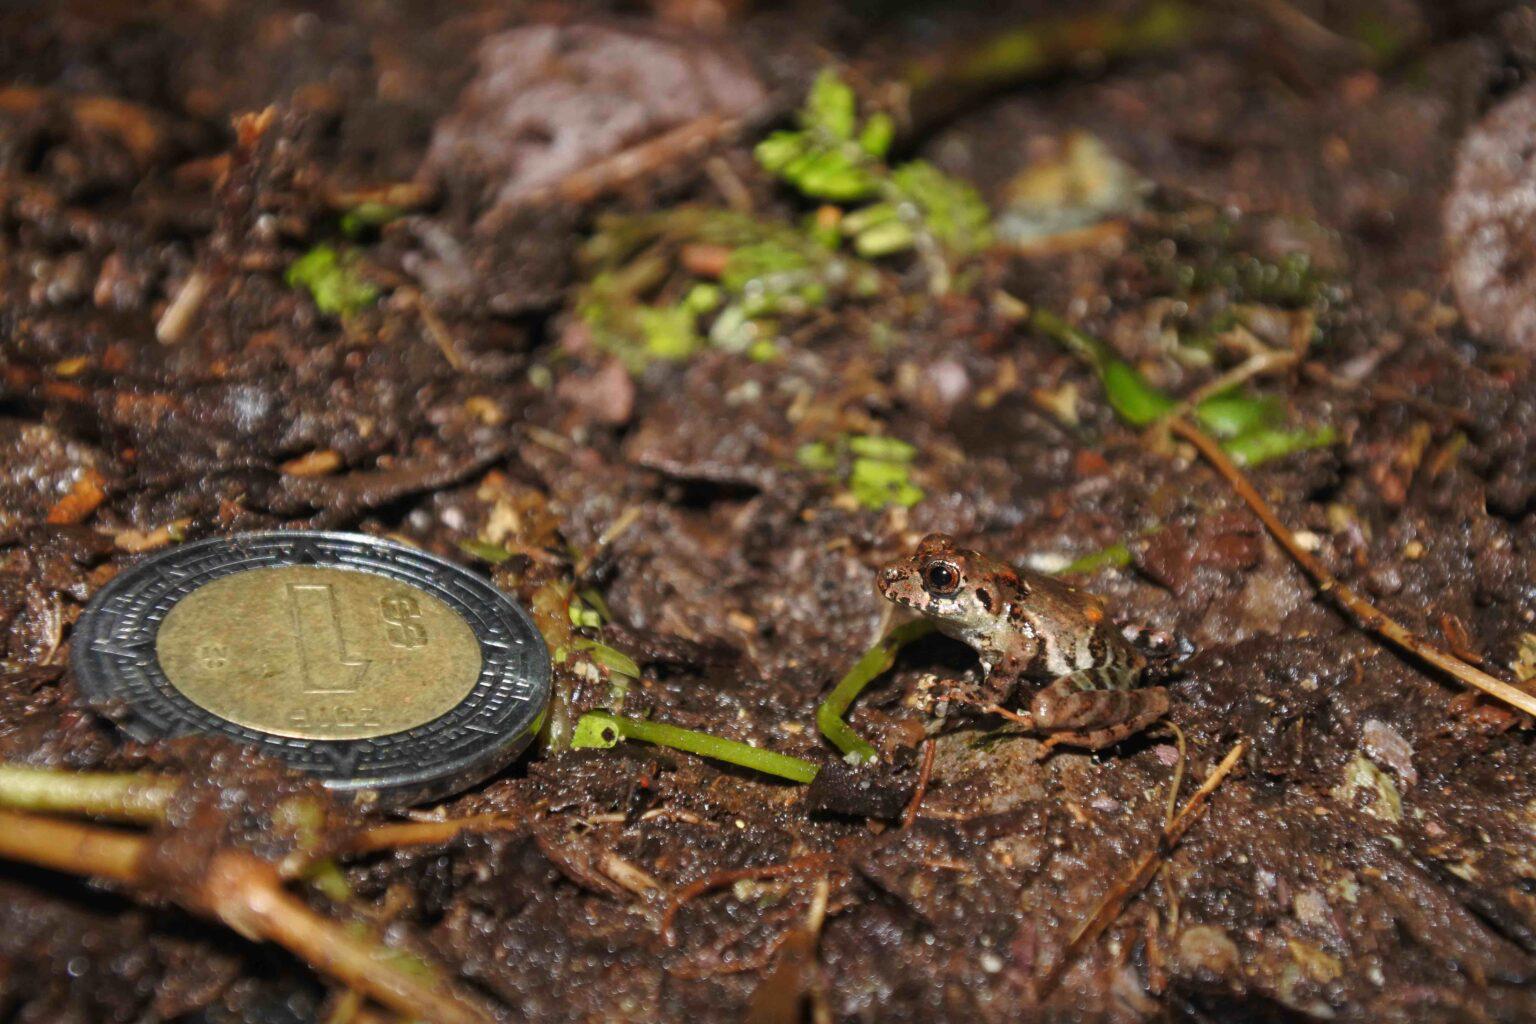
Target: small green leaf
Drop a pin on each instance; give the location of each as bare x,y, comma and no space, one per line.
885,239
834,175
495,554
888,449
830,107
1136,401
1232,414
878,134
582,615
594,599
333,280
875,484
365,216
596,731
763,351
670,332
610,658
702,298
952,210
816,456
775,153
1261,446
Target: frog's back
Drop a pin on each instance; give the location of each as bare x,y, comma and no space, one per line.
1076,634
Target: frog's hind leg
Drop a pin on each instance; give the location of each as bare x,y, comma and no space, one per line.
1081,710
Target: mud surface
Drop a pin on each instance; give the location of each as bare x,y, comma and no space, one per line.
162,168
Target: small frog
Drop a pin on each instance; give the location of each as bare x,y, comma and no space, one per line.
1026,625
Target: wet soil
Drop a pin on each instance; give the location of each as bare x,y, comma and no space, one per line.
1370,859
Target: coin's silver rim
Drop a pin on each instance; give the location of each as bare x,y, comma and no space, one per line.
113,656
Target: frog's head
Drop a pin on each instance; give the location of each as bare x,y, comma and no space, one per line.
964,592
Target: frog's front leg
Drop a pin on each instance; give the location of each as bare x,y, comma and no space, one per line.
1076,711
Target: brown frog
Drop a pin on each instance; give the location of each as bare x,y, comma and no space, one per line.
1028,626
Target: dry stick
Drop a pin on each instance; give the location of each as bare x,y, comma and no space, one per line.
723,878
646,158
248,896
921,790
1124,890
1368,614
395,834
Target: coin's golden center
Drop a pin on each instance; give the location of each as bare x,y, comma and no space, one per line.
318,653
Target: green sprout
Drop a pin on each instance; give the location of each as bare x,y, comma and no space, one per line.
911,206
583,613
876,470
644,308
875,662
829,157
610,658
1250,427
333,279
602,730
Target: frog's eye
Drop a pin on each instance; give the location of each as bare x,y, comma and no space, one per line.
941,578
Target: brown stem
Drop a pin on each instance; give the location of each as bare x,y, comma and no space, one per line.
723,878
393,835
66,846
925,772
246,894
1368,614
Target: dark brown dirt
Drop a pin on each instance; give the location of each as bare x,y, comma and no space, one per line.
1370,860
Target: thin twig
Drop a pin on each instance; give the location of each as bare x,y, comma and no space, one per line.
921,790
1178,773
1146,867
1368,614
396,834
671,147
247,895
723,878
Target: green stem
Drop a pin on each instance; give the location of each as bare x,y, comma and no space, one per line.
121,796
875,662
602,729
